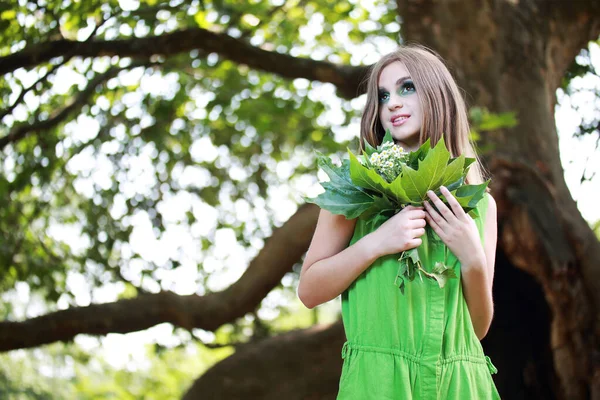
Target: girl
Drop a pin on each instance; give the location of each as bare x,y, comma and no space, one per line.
423,344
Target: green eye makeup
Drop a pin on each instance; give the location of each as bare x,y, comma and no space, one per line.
407,87
384,97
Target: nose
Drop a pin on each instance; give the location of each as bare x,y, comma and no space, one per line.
395,102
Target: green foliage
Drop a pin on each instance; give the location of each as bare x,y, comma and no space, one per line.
208,101
110,142
346,193
65,372
483,121
342,196
423,170
183,143
430,173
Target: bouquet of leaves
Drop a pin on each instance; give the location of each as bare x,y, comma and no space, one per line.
386,179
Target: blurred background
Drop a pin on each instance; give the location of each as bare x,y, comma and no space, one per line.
154,156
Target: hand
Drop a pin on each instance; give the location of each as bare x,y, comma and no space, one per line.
401,232
456,229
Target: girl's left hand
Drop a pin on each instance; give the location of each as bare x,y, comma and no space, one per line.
456,229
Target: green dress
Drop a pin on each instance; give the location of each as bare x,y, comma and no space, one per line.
416,345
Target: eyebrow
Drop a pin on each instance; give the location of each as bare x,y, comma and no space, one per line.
398,82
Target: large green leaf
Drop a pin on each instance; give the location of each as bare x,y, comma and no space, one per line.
348,202
399,193
454,171
337,175
369,149
468,195
387,138
429,175
415,156
367,178
341,196
380,205
454,185
468,162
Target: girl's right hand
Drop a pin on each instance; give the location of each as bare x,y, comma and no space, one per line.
401,232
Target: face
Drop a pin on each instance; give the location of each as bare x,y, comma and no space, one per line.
399,106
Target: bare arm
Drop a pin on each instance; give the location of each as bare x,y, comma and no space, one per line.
331,265
459,232
477,278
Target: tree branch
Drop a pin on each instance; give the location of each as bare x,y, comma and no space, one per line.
283,249
302,364
464,33
24,91
50,71
19,132
572,26
346,78
479,39
569,12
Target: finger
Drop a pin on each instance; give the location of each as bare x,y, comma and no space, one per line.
444,211
417,214
434,215
415,243
436,228
419,223
454,204
406,210
418,232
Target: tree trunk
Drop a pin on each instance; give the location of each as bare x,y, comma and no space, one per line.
509,56
298,365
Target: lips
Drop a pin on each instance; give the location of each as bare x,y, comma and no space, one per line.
399,119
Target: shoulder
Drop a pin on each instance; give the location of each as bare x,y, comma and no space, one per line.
335,221
490,221
491,206
332,235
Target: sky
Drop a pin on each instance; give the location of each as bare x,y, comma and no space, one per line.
128,351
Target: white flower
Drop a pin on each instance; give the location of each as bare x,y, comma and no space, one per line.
388,161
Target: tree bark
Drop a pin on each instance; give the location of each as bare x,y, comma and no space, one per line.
208,312
511,56
298,365
346,78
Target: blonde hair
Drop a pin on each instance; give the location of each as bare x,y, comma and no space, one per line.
444,109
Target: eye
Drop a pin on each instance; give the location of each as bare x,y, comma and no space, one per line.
408,87
384,97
